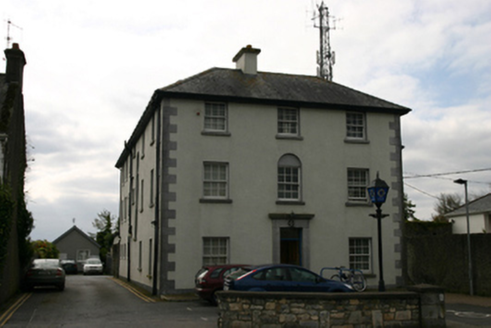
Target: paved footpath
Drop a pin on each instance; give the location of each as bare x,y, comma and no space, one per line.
467,299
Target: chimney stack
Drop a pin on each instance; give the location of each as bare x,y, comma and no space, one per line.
246,60
15,65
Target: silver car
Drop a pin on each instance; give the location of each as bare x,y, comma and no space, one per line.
45,272
93,265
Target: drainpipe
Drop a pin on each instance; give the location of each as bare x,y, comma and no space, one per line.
129,218
156,221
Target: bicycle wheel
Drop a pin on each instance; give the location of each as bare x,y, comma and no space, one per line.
336,277
358,282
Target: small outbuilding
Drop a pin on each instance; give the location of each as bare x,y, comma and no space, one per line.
76,245
479,216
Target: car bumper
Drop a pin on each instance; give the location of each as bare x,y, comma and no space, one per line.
45,281
204,293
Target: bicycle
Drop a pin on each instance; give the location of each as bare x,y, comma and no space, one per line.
352,277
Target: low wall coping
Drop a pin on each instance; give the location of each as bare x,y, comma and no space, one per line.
424,288
332,296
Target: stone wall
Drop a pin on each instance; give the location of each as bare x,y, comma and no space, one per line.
369,309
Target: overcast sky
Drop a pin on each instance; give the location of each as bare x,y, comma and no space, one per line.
93,65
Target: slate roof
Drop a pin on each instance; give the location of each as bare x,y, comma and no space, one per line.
77,230
477,206
300,90
232,85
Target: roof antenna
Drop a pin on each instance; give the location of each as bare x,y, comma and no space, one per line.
9,38
325,57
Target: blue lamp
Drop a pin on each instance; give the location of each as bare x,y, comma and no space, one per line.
377,191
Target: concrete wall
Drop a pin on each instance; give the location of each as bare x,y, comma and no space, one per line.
252,151
136,250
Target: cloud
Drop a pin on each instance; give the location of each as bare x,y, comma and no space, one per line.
92,67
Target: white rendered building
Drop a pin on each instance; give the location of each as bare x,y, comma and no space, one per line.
243,166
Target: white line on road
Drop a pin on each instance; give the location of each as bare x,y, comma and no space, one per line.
472,315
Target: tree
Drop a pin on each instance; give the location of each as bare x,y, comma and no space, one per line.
446,203
43,249
409,209
104,223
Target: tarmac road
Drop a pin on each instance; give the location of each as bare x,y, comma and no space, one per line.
467,311
101,301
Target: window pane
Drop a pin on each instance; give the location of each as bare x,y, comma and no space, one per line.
355,125
215,180
288,183
288,121
215,117
215,251
357,184
359,250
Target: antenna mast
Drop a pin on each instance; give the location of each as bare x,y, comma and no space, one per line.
325,57
9,38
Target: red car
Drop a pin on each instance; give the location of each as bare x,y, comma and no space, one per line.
209,279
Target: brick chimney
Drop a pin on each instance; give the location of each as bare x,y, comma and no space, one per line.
246,60
15,65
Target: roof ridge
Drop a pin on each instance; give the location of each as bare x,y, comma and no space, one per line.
182,81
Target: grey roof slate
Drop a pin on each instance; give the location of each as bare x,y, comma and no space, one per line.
477,206
76,230
302,90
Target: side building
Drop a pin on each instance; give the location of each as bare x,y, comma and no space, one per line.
242,166
479,216
15,221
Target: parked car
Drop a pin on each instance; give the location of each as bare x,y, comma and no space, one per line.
209,279
70,266
93,266
282,278
45,272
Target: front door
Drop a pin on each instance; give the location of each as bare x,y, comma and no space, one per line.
291,246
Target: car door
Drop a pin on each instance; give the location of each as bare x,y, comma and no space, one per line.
305,281
271,279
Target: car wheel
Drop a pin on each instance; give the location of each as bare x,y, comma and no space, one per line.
61,287
214,299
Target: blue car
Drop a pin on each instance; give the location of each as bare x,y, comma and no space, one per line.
282,278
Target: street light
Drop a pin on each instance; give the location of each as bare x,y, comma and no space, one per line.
377,191
464,182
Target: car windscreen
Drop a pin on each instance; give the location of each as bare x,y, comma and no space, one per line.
93,262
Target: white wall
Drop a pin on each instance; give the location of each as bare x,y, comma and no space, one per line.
252,152
476,224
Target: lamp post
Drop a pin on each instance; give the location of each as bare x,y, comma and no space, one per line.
377,191
464,182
